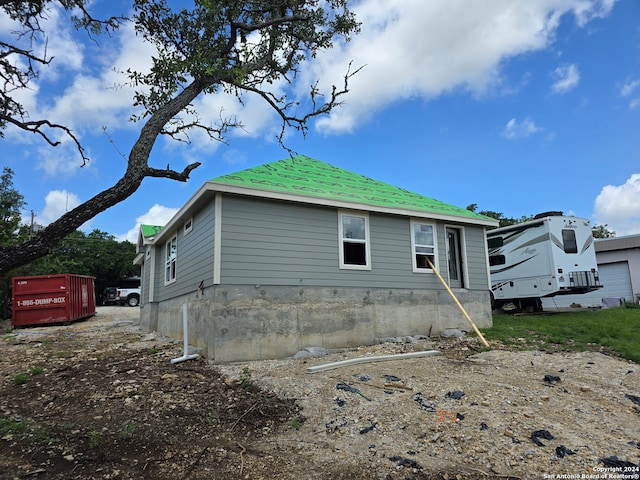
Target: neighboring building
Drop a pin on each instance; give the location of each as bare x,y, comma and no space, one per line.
299,253
618,261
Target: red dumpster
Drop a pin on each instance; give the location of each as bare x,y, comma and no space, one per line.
44,299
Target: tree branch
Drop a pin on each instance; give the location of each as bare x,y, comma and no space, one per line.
35,126
172,174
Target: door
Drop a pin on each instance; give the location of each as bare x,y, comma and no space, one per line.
454,258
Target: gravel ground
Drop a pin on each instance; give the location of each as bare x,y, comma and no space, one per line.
462,413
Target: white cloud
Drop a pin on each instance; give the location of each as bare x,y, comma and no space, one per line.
589,10
57,203
92,100
514,130
410,49
628,89
157,215
567,77
417,49
618,206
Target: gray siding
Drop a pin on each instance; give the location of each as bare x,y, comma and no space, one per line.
146,275
476,261
277,243
280,243
194,262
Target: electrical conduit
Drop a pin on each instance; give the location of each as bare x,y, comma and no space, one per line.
185,333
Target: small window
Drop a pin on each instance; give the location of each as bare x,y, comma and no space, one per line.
171,255
497,260
188,225
569,241
423,246
495,242
354,241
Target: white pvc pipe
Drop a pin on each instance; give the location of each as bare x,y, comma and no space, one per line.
185,334
379,358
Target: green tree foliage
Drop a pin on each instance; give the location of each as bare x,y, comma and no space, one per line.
602,231
242,48
11,205
97,254
598,231
504,221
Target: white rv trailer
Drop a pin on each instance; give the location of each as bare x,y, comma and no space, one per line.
550,255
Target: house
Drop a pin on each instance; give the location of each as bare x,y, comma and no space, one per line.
299,253
618,260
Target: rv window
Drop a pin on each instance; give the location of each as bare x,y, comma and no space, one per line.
495,242
569,241
497,260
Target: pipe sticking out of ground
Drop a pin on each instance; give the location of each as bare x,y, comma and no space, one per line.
185,333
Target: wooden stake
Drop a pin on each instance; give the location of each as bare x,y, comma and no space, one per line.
458,303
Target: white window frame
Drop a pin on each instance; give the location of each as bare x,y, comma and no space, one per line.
366,240
188,225
414,246
171,261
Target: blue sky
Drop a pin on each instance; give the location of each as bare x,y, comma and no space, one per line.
518,106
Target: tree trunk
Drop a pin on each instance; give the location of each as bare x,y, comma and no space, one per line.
137,169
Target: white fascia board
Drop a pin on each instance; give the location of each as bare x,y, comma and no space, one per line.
255,192
182,213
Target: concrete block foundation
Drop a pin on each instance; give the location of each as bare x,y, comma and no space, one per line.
239,323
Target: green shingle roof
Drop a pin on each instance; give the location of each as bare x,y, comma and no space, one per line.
303,176
149,230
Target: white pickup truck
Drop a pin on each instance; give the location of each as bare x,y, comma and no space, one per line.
128,292
128,296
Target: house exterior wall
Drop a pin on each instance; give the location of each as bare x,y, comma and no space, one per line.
281,288
279,243
145,275
194,263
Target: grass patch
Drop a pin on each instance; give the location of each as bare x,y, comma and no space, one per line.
247,383
295,422
20,379
95,437
23,430
12,427
128,429
615,331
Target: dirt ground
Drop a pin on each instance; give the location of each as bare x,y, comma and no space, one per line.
100,399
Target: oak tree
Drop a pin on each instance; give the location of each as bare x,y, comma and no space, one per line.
239,47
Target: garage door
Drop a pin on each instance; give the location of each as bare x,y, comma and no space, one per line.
617,283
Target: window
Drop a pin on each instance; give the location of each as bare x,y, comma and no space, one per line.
188,225
569,241
354,241
171,253
423,246
495,260
495,242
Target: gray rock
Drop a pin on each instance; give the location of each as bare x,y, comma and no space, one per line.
312,352
452,333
